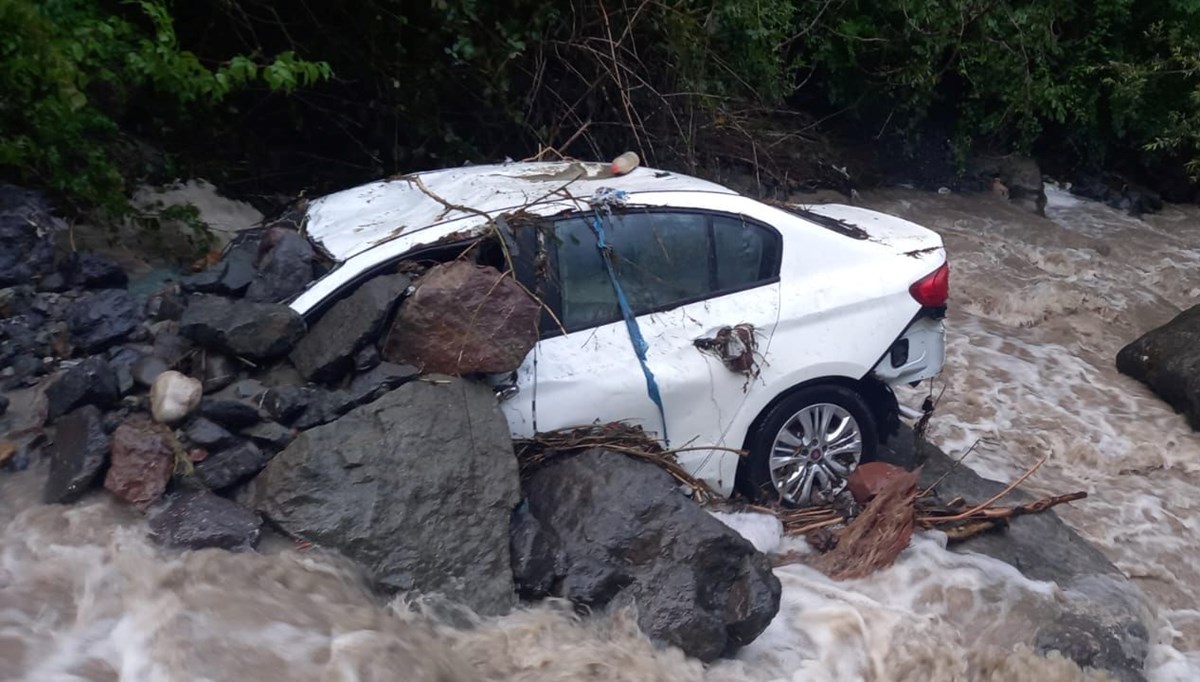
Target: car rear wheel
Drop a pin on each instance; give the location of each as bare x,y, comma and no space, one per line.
806,447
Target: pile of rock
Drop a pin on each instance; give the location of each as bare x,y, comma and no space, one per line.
212,406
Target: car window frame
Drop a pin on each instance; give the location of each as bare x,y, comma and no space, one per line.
552,323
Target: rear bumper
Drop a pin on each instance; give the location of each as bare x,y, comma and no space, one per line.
918,354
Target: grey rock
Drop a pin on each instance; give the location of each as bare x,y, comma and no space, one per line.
535,563
230,467
230,276
166,304
284,272
209,435
1102,621
91,382
53,282
327,352
255,331
101,319
93,271
25,247
199,519
269,435
324,407
219,372
367,358
628,536
123,359
1167,359
375,382
418,487
230,413
147,369
172,348
286,403
78,457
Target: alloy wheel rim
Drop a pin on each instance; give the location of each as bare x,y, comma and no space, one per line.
814,453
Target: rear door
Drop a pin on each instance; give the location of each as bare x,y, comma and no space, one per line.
688,276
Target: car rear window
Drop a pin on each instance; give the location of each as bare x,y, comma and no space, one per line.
663,259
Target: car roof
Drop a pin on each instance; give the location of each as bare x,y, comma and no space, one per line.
442,202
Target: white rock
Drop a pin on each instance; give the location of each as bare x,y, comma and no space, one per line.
173,396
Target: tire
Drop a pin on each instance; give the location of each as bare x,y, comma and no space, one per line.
824,468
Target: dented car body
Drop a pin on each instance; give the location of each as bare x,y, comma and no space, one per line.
774,329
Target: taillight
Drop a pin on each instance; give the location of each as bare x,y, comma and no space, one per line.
933,290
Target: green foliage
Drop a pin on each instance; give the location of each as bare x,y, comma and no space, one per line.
71,70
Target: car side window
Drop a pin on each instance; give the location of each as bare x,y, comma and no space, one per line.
661,258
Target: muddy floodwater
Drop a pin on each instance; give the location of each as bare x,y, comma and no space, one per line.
1039,308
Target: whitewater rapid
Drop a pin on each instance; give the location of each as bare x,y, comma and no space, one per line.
1040,307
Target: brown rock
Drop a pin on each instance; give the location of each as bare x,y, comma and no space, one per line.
464,319
868,479
142,460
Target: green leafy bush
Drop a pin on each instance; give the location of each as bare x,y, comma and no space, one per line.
70,70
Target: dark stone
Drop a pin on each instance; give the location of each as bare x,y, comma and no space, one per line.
209,435
327,352
3,404
627,535
417,487
255,331
1167,359
1117,192
286,403
147,369
1116,647
101,319
230,467
367,359
93,271
324,407
230,276
219,372
270,435
25,370
79,454
172,348
230,413
142,461
383,378
198,519
91,382
464,319
1103,614
25,223
54,282
534,560
284,272
167,304
123,359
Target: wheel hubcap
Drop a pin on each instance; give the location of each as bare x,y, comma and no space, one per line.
814,453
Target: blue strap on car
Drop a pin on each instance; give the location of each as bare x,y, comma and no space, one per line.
602,202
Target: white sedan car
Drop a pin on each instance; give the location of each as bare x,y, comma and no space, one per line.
715,321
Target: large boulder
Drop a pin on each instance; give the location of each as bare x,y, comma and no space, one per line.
464,319
255,331
197,519
91,382
417,487
284,272
625,535
79,454
230,276
1167,359
142,461
327,351
1102,616
101,319
26,222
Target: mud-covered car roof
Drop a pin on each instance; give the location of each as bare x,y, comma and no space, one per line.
355,220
